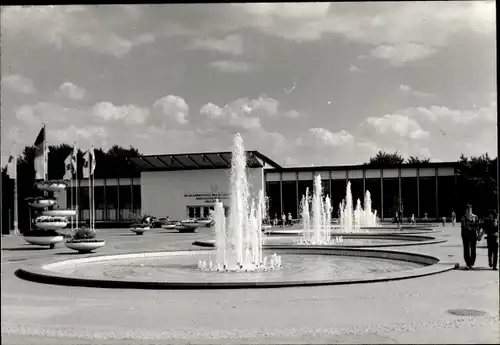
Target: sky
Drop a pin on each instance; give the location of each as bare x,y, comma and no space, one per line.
304,83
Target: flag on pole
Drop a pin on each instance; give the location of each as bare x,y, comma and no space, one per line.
68,166
86,164
74,157
12,167
92,161
40,155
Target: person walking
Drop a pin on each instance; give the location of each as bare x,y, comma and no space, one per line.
425,217
289,219
490,228
453,217
412,220
283,220
469,227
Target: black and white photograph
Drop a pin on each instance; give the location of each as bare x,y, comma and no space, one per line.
249,173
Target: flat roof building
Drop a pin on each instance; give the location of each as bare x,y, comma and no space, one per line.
187,185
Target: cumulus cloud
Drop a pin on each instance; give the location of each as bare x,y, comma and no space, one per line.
130,114
46,112
233,116
322,137
397,124
173,108
76,26
72,91
408,91
232,44
400,54
19,83
354,68
230,66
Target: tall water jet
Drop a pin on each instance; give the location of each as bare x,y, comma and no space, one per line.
316,227
352,220
239,243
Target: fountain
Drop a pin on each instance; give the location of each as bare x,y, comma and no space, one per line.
354,220
317,229
239,243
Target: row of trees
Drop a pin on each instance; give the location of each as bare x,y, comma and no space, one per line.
383,158
108,163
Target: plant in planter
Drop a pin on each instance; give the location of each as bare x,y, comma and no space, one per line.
144,225
84,240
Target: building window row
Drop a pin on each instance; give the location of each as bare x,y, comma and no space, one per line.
419,195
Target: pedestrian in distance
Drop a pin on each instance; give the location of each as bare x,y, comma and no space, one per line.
490,229
469,232
453,217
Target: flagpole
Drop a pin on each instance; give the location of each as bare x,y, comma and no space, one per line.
93,187
90,197
16,216
77,200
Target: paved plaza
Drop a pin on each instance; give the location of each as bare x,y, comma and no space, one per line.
405,311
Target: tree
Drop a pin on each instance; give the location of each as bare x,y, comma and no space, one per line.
477,182
416,160
385,158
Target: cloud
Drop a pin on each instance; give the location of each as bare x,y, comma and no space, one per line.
130,114
322,137
354,68
396,124
232,44
72,91
232,117
408,91
76,26
45,112
174,108
398,55
84,136
19,83
230,66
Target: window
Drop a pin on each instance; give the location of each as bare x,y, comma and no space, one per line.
356,191
446,195
290,198
373,186
136,199
273,193
111,202
125,204
427,194
390,197
338,194
99,202
409,196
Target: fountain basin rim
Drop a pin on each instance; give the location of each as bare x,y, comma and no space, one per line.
422,240
43,275
298,232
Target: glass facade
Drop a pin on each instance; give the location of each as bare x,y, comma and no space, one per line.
290,198
338,194
120,199
390,197
427,196
373,185
273,194
409,196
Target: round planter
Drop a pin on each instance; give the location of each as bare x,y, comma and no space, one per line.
42,203
140,231
51,187
183,228
191,225
44,240
51,225
168,226
60,213
84,247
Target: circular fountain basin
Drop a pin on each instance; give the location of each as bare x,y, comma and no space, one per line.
378,231
177,270
59,213
349,241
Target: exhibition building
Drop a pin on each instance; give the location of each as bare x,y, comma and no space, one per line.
182,186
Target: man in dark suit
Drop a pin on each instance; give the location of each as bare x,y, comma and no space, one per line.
469,236
490,228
